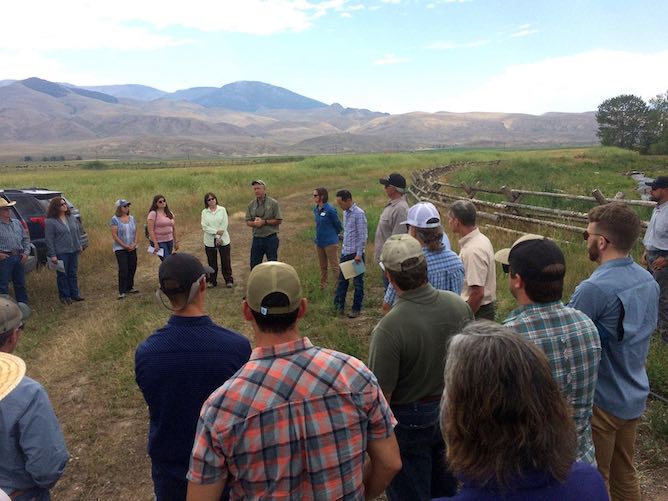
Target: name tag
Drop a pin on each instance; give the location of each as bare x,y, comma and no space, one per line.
323,214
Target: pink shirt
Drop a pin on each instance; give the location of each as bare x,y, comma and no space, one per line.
163,227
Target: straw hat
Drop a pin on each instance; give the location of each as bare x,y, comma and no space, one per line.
12,370
5,203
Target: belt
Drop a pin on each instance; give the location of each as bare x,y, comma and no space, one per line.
13,253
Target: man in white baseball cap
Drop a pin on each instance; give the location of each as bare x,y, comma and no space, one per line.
32,448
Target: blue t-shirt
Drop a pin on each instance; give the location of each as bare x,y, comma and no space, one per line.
327,225
622,299
177,368
583,483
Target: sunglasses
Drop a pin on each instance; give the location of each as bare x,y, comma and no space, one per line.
586,235
210,199
63,203
315,195
162,201
505,268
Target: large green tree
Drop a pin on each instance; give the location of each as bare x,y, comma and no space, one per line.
622,122
658,124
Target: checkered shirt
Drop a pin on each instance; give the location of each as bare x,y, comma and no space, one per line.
293,423
355,231
445,271
571,342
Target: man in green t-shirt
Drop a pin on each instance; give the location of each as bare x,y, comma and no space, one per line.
264,216
407,355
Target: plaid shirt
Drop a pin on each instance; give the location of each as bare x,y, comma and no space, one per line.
354,231
571,342
445,271
13,237
293,423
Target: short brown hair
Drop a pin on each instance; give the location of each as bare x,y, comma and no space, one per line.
619,223
412,278
463,211
502,412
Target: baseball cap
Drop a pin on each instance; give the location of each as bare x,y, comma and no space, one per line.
122,202
395,179
12,314
423,215
270,277
399,248
530,255
659,182
12,370
178,272
258,181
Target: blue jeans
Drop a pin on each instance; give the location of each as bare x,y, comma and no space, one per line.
68,287
263,246
168,247
342,288
12,269
424,474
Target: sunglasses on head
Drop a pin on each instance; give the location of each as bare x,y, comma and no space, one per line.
586,235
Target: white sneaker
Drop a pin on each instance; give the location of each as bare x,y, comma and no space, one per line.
121,295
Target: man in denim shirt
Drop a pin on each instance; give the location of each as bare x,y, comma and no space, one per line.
33,454
622,299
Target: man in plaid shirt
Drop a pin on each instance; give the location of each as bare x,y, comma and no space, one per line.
296,421
567,336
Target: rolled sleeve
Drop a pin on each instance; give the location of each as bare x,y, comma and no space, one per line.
475,264
25,241
361,227
207,462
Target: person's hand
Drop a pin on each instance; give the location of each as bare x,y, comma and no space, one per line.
156,248
358,259
659,263
3,256
24,258
643,259
259,222
176,246
220,232
54,259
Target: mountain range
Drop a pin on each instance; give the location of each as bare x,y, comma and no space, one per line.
42,118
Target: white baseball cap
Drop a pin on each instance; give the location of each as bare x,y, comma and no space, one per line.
423,215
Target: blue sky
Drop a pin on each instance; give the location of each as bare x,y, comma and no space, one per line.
387,55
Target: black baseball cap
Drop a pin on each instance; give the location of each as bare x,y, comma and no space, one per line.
530,255
179,271
659,182
395,179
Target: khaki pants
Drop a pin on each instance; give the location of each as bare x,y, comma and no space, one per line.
614,440
328,254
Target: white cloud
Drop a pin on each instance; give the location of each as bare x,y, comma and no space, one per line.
391,59
27,63
346,15
444,45
571,84
132,25
523,33
359,6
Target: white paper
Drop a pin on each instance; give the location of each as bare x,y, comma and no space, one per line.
352,268
59,266
161,251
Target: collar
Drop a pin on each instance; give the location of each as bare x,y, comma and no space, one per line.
616,263
351,207
261,200
281,350
395,201
534,306
468,237
180,321
424,294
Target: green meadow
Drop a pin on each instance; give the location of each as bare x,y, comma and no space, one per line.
83,353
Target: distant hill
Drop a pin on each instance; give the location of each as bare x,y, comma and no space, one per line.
39,117
129,91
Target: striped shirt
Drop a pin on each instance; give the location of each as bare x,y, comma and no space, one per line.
571,342
445,271
293,423
354,231
13,237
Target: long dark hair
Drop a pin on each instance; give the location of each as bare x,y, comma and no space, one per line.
53,210
502,413
209,195
154,206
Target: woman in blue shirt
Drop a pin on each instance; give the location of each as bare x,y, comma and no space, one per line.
124,235
508,430
327,229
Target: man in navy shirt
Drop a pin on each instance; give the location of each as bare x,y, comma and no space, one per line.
178,367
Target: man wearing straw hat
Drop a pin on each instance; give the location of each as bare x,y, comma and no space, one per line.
32,448
14,252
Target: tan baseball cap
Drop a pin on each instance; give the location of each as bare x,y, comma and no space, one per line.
399,248
269,277
12,370
12,313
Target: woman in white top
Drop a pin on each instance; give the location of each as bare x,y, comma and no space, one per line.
216,240
124,236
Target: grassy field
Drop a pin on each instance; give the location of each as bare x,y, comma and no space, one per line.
83,354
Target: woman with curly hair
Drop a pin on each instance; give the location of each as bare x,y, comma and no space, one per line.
509,433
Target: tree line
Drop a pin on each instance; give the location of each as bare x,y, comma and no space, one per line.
629,122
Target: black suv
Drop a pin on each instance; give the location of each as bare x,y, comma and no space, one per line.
30,209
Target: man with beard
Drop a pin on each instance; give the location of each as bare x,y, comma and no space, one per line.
622,299
656,247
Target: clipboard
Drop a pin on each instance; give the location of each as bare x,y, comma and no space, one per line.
351,269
